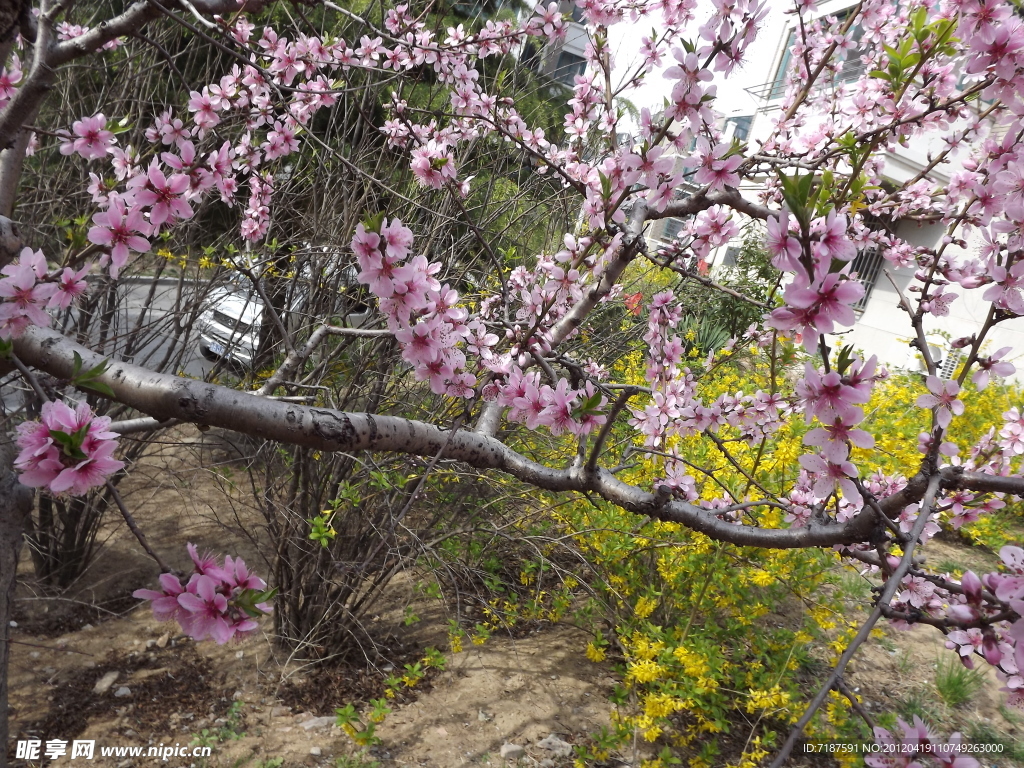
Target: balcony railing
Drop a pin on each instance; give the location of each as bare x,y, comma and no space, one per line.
867,265
776,88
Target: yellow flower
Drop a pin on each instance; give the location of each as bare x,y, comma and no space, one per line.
594,653
659,705
645,671
652,733
645,607
694,664
773,698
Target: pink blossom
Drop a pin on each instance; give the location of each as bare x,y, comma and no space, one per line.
66,450
987,366
70,286
120,229
397,238
943,399
23,296
93,140
916,591
205,114
831,300
938,303
834,436
281,141
165,602
784,248
833,242
206,610
831,476
216,603
433,165
715,169
165,196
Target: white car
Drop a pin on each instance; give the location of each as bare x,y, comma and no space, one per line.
230,327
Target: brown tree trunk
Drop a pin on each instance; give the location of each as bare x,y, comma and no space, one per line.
15,506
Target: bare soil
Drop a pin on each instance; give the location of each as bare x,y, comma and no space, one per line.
258,708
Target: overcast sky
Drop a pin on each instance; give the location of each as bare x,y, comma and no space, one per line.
732,99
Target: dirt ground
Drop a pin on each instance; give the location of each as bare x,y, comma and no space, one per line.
518,691
256,708
244,699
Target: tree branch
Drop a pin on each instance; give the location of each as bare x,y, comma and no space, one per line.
169,397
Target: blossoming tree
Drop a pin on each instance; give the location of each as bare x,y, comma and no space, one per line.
512,354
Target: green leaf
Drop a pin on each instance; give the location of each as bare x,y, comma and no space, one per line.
99,387
71,444
374,222
844,359
796,190
894,56
346,714
87,379
918,18
250,598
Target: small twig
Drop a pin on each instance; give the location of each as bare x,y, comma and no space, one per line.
29,377
164,568
296,357
873,503
142,424
199,17
891,585
620,403
49,648
922,341
844,689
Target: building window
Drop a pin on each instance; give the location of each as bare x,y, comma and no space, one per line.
867,265
742,126
851,67
568,67
947,367
778,85
672,229
731,254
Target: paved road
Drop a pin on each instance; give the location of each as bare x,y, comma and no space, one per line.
156,336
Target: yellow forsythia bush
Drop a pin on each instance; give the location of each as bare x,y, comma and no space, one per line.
711,637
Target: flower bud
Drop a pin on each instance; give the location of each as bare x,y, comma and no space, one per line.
962,613
972,587
990,647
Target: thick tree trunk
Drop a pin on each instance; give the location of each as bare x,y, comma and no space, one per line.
15,505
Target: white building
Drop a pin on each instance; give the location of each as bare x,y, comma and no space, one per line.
562,60
883,329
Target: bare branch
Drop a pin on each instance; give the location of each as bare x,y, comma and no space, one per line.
169,397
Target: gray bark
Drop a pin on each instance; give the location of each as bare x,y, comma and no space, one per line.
164,396
15,506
